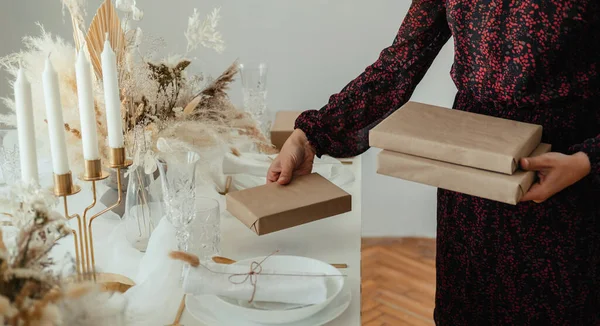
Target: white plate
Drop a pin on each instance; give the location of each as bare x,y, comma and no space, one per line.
203,309
291,263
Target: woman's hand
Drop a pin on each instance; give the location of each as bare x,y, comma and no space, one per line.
296,158
556,172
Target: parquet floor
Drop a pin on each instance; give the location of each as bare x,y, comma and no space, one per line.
398,282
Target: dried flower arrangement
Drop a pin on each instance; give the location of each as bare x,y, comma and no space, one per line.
31,291
34,289
160,96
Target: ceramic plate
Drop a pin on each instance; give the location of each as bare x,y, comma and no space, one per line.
292,263
203,309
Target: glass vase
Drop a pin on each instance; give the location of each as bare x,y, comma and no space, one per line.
143,209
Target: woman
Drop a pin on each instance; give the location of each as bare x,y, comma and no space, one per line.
537,61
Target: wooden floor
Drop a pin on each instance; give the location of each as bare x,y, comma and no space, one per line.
398,282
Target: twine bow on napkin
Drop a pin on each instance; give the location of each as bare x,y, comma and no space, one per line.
251,276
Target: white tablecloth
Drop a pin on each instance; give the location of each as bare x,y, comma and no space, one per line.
335,240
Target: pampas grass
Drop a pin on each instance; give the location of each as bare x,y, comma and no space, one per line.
159,96
31,293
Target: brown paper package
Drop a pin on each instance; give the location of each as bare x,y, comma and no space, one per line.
283,127
273,207
457,137
495,186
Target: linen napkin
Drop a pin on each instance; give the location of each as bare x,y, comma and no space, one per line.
155,297
302,290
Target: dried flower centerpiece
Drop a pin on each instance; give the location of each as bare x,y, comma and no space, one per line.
160,96
32,290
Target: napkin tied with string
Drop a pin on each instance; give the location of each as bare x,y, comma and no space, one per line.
303,289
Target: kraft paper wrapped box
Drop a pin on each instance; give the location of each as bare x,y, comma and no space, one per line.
495,186
457,137
274,207
283,126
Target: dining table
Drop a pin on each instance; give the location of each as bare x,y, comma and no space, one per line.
335,239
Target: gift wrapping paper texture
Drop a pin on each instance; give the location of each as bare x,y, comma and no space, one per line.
283,126
458,151
495,186
458,137
273,207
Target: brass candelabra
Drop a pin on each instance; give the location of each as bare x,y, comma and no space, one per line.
83,236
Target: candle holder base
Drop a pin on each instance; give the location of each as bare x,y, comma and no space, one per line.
102,176
126,164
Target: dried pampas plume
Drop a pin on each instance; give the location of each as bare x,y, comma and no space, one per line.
217,88
77,11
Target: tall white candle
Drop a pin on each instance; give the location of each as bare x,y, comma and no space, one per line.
25,129
56,125
112,99
89,136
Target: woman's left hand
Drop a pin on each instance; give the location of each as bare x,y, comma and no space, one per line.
556,172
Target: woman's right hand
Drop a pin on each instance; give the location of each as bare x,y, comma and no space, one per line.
295,158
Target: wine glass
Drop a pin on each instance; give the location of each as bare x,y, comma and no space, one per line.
178,176
9,156
254,89
206,229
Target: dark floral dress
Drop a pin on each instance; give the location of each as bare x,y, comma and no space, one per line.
535,61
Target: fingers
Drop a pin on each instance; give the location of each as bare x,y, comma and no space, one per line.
537,163
538,193
274,171
287,170
543,190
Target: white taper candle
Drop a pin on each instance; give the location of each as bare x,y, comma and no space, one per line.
25,129
87,114
56,124
112,99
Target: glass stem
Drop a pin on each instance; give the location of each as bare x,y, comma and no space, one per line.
183,235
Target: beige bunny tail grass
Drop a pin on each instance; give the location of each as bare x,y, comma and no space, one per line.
193,260
235,152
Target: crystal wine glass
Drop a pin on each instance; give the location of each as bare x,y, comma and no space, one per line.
178,176
206,229
9,156
254,88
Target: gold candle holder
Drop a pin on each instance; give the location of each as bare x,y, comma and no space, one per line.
63,185
84,244
118,159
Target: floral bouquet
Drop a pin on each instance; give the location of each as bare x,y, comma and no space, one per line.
34,289
160,97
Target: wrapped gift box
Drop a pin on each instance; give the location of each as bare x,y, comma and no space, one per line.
471,181
283,126
457,137
273,207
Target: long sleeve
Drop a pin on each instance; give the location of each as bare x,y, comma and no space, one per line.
342,126
592,148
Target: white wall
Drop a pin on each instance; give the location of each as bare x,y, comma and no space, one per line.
313,48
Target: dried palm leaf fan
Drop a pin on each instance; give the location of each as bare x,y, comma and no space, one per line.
106,22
